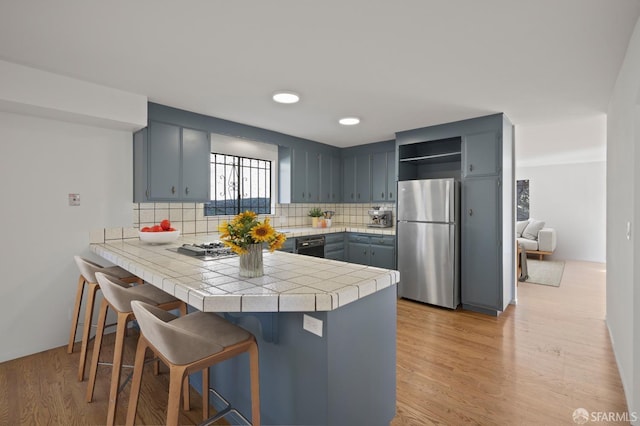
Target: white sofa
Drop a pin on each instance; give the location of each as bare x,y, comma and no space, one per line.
535,238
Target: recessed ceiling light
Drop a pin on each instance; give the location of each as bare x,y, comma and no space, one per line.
349,121
286,97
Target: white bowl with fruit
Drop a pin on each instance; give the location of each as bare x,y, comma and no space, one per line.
159,234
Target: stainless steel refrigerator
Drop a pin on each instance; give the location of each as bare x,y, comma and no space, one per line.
429,240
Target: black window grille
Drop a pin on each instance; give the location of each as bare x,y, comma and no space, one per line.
239,184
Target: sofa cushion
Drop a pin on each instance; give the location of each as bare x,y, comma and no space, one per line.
520,227
531,245
532,229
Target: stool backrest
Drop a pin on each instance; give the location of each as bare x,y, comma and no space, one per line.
178,344
87,268
117,292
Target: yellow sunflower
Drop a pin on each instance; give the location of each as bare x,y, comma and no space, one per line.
263,232
278,242
223,229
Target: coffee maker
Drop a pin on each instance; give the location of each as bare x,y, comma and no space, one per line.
379,218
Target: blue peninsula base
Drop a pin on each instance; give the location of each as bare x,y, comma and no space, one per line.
345,377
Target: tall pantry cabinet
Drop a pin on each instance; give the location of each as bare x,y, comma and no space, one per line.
479,153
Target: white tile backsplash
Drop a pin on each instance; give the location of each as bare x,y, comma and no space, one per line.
190,218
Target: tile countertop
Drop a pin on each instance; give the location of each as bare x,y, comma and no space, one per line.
291,282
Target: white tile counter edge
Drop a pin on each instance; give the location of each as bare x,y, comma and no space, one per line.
292,283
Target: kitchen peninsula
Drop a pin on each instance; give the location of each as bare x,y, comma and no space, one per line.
326,329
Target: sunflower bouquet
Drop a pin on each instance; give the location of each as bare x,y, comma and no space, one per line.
245,229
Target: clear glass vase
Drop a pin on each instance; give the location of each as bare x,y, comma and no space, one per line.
251,262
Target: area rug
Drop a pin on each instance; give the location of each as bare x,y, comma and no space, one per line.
545,272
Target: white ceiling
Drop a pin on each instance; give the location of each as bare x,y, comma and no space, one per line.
397,65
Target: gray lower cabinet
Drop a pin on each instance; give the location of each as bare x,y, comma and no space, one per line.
171,163
334,246
288,245
372,250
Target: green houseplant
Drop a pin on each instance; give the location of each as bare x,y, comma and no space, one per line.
315,213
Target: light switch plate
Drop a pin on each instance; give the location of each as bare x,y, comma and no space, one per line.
74,199
312,325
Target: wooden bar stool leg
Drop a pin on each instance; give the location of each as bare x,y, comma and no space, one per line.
176,379
254,372
76,314
136,381
102,318
88,318
186,397
117,366
205,394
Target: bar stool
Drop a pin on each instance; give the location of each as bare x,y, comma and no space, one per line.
88,271
189,344
118,296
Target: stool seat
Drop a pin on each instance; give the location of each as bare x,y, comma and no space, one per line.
188,344
119,296
88,270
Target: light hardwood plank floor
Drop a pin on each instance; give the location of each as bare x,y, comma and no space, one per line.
533,365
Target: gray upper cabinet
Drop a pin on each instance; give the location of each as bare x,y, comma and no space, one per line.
330,182
363,178
196,165
305,182
171,163
357,179
140,184
383,181
481,154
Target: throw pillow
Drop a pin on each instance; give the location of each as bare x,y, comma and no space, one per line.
520,227
532,229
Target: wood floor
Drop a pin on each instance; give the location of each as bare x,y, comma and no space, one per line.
534,365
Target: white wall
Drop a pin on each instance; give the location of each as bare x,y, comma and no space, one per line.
623,206
41,162
565,163
571,199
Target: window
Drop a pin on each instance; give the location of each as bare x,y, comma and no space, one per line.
239,184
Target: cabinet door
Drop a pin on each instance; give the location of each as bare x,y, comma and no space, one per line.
481,154
299,176
391,176
336,181
363,179
164,161
313,176
140,194
383,256
379,176
358,253
481,253
325,178
196,165
349,183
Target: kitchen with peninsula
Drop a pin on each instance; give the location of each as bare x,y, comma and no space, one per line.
322,307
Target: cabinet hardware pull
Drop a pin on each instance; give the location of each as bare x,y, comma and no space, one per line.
382,194
470,167
186,190
173,189
391,195
470,212
146,193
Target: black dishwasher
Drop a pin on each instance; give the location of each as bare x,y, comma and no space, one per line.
310,246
